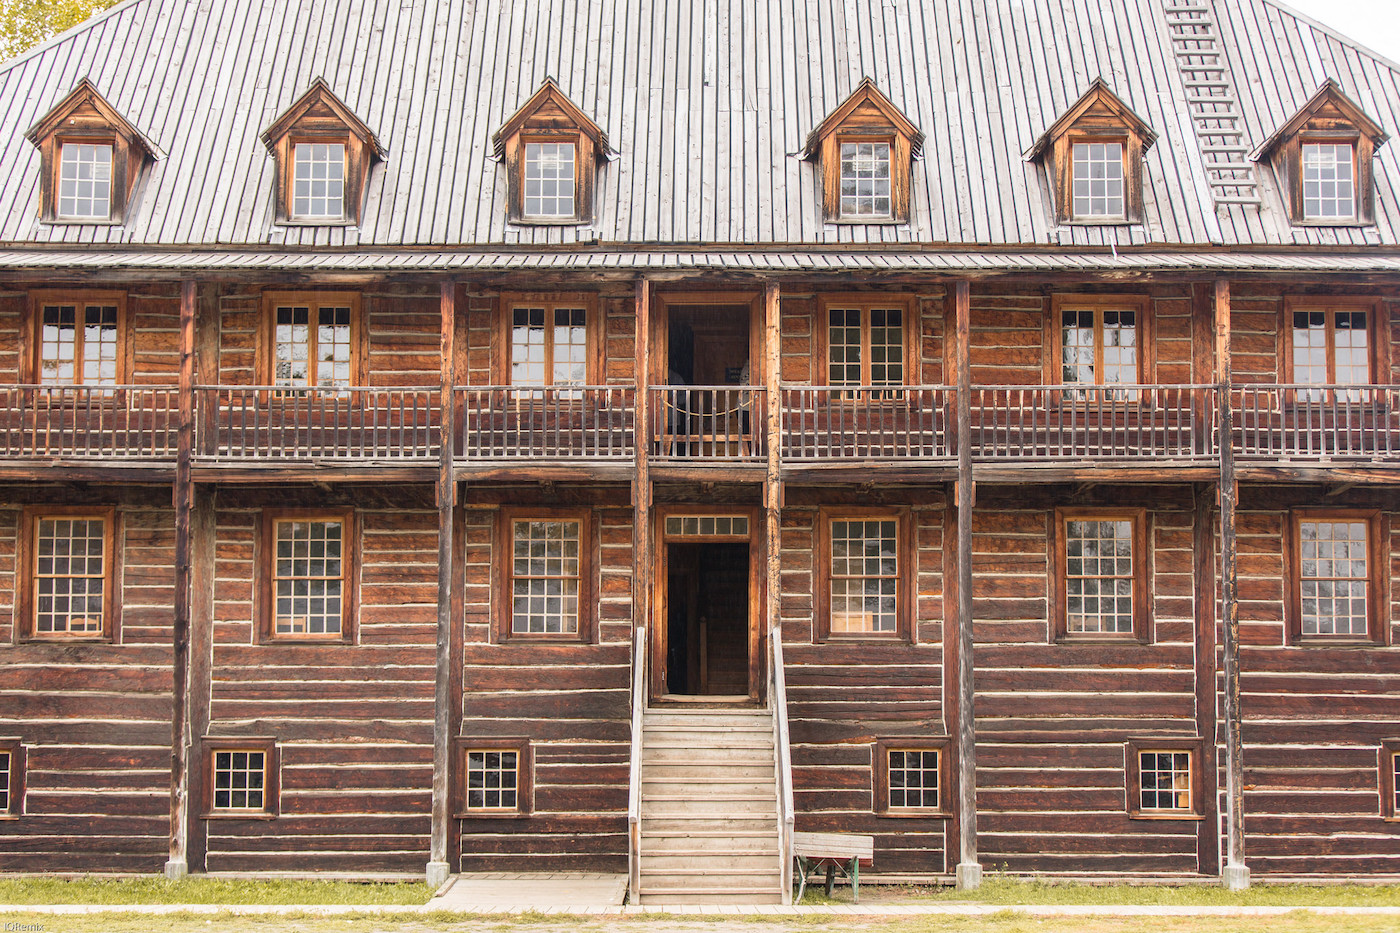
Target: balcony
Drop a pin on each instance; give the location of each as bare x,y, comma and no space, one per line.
593,431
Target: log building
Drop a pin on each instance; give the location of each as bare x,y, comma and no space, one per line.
548,435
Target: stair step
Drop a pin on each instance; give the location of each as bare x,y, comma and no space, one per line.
710,847
707,772
717,807
732,896
749,863
671,789
673,823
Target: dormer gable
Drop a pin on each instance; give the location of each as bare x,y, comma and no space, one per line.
323,153
91,158
865,148
1093,154
1322,157
551,150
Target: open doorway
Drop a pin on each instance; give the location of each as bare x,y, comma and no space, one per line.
707,644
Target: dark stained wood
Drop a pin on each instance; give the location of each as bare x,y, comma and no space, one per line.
443,765
965,747
182,739
1203,546
1229,496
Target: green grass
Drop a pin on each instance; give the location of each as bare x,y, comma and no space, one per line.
153,890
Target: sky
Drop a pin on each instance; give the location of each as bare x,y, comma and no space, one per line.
1373,23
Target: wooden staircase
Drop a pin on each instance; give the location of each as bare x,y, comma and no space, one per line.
709,808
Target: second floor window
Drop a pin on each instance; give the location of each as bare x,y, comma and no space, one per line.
1099,345
865,180
549,345
549,180
1098,180
79,343
318,181
1329,181
866,345
85,181
314,340
1331,346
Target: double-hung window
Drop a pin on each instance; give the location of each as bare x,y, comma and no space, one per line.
85,181
864,557
550,180
546,575
69,590
866,179
308,590
318,181
1100,574
1336,589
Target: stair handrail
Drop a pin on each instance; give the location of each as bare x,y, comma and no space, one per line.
634,771
777,696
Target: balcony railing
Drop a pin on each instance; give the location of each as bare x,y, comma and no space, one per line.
824,423
282,423
1310,422
1114,423
89,422
709,423
529,423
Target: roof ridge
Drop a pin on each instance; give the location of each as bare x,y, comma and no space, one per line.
91,21
1334,33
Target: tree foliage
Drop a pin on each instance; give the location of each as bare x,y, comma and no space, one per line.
26,23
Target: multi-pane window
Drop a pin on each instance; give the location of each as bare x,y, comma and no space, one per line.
549,346
85,181
913,779
1331,346
1164,781
865,180
78,343
1099,345
1329,181
239,780
864,576
6,767
1098,180
493,779
308,578
546,576
70,575
549,180
313,344
865,346
318,182
1099,576
1334,577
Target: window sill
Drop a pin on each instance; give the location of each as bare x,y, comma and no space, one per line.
1351,223
1329,641
892,638
913,814
81,222
1166,815
866,222
515,638
1078,639
489,815
257,817
550,222
1100,222
314,222
64,640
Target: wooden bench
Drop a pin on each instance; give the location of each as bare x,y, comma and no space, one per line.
835,852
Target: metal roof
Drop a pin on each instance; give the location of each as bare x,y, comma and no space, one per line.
706,102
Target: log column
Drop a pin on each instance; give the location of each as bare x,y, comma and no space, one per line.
773,485
969,870
1235,876
438,868
181,739
641,482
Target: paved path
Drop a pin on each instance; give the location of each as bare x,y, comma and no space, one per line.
514,891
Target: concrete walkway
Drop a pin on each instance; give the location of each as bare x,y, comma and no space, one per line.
514,891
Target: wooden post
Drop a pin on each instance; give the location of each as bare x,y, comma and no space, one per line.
180,738
1203,545
1235,875
773,484
439,869
641,484
969,872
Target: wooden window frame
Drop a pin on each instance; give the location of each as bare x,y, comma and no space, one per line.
881,766
1123,139
266,598
550,302
865,302
905,556
1289,165
28,557
901,171
1389,762
505,576
288,174
31,363
314,301
525,777
116,200
14,747
272,777
1055,336
1135,747
1376,340
891,139
1377,563
1142,575
581,158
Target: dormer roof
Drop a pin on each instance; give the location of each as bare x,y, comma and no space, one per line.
319,103
86,102
550,102
868,96
1328,102
1101,105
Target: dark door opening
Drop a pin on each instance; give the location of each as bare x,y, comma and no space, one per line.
707,644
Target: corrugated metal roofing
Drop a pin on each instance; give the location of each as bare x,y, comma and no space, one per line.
707,103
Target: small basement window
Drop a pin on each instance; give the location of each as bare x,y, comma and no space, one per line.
496,778
11,778
910,777
241,778
1164,779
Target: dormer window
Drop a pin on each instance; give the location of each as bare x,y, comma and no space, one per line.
1322,160
551,150
550,181
1093,155
323,154
864,148
319,191
1329,181
91,157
